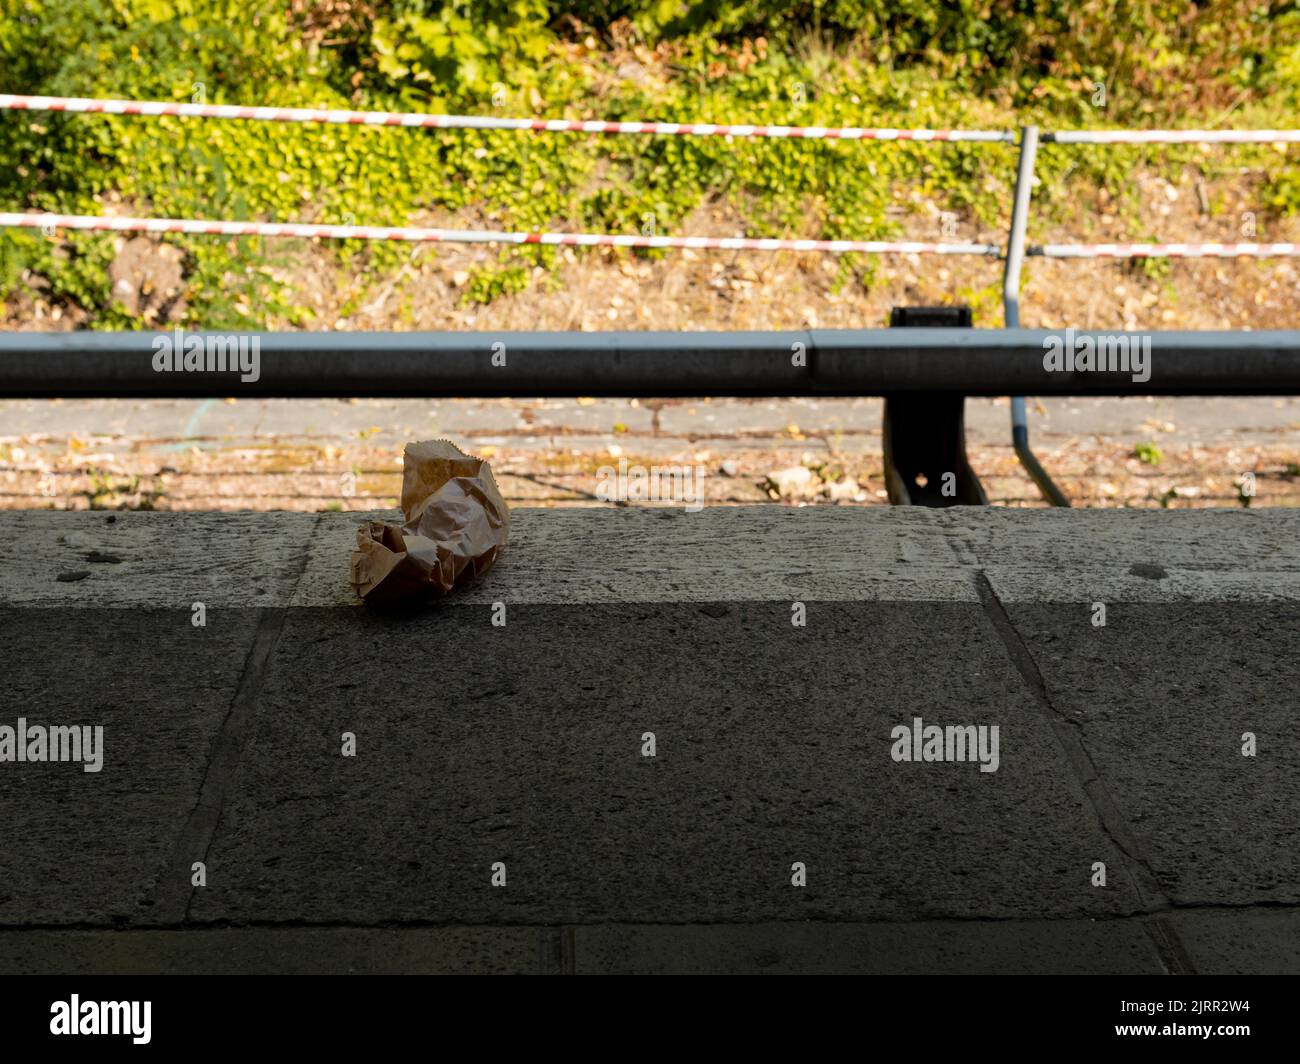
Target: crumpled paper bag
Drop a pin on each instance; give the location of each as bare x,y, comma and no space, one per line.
456,525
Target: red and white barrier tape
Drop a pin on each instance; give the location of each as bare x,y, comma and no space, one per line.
1163,251
412,234
421,120
416,234
1176,136
431,121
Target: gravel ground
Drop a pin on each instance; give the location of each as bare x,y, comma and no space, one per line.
272,455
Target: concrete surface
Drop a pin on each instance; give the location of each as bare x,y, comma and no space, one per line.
475,744
312,455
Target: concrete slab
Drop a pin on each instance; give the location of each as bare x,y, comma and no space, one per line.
690,417
1086,556
1162,697
1172,420
1041,947
150,561
639,554
1141,582
127,560
632,554
281,951
90,847
523,745
1194,420
1067,539
1253,942
1037,947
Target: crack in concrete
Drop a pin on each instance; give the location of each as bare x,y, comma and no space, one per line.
956,536
557,949
173,893
1106,811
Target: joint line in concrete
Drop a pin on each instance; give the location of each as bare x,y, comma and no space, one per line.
174,894
1109,818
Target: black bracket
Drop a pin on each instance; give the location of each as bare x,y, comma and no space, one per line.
925,432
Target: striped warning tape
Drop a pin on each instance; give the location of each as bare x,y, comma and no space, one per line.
420,120
1164,251
416,234
1176,136
413,234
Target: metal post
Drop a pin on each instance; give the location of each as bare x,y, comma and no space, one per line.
923,434
1011,310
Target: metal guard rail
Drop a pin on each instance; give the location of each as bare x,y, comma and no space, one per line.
814,362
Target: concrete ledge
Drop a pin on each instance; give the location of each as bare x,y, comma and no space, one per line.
764,553
1121,745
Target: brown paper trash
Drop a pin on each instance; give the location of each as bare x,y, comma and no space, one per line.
456,525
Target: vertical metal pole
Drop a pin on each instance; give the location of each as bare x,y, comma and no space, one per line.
1011,310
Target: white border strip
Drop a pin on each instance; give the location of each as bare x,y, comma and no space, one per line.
1164,251
411,234
1175,136
421,120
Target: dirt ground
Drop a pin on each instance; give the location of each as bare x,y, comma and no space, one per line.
349,472
606,288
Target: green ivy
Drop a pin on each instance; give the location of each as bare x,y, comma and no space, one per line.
993,64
